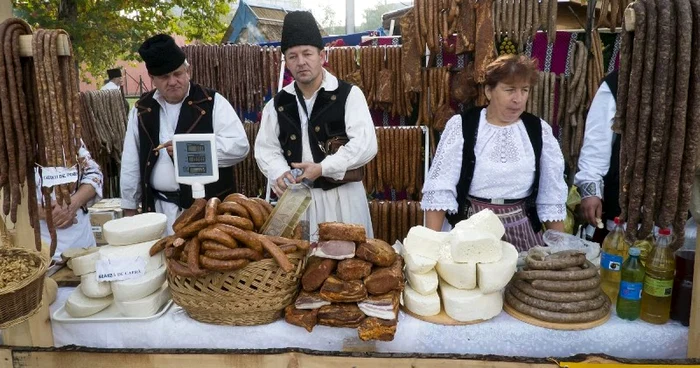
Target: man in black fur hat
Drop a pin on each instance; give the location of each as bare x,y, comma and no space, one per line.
318,124
176,106
114,77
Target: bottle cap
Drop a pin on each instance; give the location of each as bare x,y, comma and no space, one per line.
665,231
635,252
617,221
197,190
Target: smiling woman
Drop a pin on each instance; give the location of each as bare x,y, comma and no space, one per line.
501,158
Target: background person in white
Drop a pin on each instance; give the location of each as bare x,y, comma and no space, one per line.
303,51
115,79
169,72
72,221
598,166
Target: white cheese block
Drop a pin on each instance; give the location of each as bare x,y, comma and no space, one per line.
76,252
459,275
495,276
134,229
424,242
139,287
425,284
84,264
92,288
474,246
484,220
78,305
422,305
470,305
417,263
147,306
132,251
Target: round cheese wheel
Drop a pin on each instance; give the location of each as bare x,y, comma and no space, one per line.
135,229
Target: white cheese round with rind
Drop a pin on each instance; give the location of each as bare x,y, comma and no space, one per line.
135,229
459,275
84,264
470,305
146,306
132,251
422,305
426,283
92,288
493,277
78,305
140,287
484,220
474,246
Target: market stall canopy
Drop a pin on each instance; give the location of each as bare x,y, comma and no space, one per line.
257,24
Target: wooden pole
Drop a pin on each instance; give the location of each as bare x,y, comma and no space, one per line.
5,9
36,331
694,329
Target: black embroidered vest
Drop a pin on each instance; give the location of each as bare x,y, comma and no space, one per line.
470,129
611,180
326,120
195,117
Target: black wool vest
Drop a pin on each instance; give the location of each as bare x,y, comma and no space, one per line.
326,120
195,117
611,180
470,129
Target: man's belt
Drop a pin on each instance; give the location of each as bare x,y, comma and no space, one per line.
170,197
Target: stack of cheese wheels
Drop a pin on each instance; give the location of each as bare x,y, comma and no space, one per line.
470,266
129,238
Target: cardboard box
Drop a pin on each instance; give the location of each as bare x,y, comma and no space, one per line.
101,212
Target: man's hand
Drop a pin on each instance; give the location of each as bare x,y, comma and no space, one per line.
280,186
169,147
63,216
128,212
312,171
592,209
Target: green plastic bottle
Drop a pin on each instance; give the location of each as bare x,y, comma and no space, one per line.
629,300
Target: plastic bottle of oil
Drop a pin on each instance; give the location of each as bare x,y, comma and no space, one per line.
613,254
658,281
629,299
644,246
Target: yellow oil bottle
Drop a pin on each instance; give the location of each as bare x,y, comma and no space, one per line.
658,281
614,253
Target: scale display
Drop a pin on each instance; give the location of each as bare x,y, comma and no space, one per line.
194,158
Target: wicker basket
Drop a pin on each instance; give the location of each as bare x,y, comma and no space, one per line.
254,295
20,301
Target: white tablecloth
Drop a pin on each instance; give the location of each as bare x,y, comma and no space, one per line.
503,335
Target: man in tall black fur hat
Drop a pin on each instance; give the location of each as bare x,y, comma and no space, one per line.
320,125
177,105
114,79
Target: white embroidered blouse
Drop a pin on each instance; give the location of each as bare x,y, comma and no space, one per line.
504,168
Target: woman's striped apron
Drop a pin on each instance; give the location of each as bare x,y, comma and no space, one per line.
519,231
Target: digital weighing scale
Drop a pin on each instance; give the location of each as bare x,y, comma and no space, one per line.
196,163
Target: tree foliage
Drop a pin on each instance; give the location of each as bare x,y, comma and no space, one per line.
372,17
104,31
